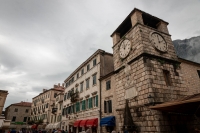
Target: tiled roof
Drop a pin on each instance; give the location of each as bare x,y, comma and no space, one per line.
23,104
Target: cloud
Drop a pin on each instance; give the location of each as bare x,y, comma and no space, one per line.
43,42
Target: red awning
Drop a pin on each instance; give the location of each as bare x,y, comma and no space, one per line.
92,122
77,123
83,123
34,126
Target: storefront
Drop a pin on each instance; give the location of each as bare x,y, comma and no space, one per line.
83,125
108,123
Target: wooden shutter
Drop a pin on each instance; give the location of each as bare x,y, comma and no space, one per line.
105,108
110,106
96,100
83,105
78,107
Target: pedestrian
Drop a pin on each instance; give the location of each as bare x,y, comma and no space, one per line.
113,131
13,131
88,130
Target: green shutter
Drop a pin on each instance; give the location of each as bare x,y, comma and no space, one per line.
90,103
96,100
83,105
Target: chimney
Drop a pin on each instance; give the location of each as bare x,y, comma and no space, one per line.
58,84
44,90
63,84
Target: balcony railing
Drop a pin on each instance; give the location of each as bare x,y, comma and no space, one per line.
74,96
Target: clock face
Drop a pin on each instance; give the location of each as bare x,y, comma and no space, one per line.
158,41
125,48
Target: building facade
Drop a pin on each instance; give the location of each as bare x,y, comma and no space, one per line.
4,123
108,99
82,93
191,75
56,112
41,108
19,114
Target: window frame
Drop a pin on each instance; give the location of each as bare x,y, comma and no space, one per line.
108,81
94,62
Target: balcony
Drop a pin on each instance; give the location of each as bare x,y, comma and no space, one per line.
74,96
54,110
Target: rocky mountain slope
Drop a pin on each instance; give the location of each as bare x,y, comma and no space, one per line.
188,48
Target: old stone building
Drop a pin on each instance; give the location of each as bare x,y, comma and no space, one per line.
148,77
41,108
19,114
108,103
191,75
56,111
82,93
4,123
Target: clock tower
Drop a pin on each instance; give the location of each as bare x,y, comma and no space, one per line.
146,66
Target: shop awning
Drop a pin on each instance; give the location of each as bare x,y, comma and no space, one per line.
77,123
56,125
83,123
49,126
186,105
92,122
108,121
34,126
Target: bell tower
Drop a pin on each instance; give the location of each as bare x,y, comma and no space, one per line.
145,65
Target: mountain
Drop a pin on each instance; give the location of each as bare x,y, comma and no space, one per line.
188,49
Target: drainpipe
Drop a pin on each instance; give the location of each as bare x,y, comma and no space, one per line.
100,113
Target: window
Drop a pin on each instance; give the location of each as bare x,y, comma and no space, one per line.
72,80
80,105
94,81
198,71
77,89
66,84
14,118
26,111
25,118
83,105
16,110
95,101
90,105
87,83
108,85
47,105
81,87
87,104
88,67
65,96
77,75
77,107
108,106
167,77
82,71
94,62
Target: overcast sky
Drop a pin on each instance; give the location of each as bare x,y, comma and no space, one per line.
43,41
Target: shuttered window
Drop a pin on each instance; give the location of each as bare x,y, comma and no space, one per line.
96,100
105,106
108,106
108,85
83,105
